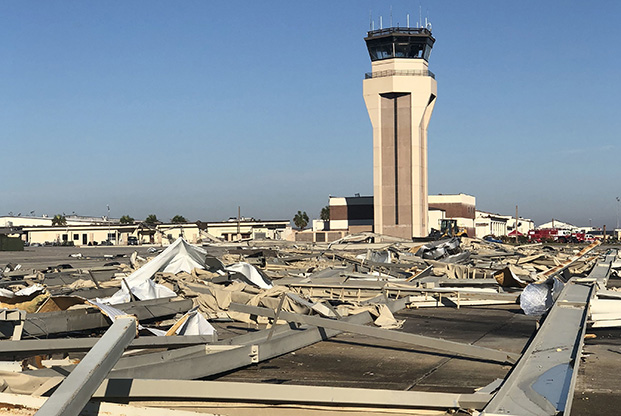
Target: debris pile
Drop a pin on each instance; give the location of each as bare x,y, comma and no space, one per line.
166,310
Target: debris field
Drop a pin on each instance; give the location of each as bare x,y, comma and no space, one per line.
368,325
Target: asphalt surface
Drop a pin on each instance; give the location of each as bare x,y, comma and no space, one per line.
40,258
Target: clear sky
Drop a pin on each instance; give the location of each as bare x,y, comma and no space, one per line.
196,107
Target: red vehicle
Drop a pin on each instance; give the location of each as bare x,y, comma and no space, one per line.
556,235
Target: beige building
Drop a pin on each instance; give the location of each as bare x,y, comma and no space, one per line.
77,235
159,234
45,220
249,228
400,95
487,223
436,216
351,214
460,207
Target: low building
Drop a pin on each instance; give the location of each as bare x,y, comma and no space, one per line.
460,207
234,230
159,234
351,214
524,225
45,220
558,224
78,235
487,223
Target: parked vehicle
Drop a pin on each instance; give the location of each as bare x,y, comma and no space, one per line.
556,235
492,239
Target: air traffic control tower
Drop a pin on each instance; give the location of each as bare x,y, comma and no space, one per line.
400,94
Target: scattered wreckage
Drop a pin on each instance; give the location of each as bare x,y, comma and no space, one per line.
147,331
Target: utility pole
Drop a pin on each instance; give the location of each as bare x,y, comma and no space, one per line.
517,241
238,223
108,237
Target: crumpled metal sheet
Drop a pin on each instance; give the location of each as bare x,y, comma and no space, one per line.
251,275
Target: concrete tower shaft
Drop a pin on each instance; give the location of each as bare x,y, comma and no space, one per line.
400,94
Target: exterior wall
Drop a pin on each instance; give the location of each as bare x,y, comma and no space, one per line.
524,225
460,207
400,107
13,221
274,230
354,229
351,213
172,232
435,216
455,206
320,225
338,208
309,236
490,225
79,235
500,225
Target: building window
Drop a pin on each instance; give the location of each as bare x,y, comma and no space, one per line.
76,237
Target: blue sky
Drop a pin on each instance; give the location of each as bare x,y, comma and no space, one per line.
196,107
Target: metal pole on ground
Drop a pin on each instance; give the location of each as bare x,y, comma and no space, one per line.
76,390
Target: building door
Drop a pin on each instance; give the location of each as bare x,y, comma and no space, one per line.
84,239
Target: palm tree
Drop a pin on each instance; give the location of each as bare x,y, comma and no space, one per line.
151,219
325,213
59,220
178,219
126,219
300,220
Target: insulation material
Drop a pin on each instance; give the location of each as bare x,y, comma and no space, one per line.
538,298
26,292
386,319
180,256
192,323
60,303
506,278
384,256
28,299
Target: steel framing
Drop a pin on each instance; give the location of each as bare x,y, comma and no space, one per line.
543,381
76,390
455,348
30,347
139,389
47,323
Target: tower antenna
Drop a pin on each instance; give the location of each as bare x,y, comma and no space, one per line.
390,15
408,20
420,15
370,20
381,25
